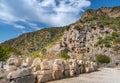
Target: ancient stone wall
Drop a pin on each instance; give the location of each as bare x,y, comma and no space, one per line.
43,71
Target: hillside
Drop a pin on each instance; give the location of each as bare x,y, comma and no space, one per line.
97,32
37,40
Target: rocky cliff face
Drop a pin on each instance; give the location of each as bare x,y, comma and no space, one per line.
97,32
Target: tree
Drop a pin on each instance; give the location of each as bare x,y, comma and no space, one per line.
102,59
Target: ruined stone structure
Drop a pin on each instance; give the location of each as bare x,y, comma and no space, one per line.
43,71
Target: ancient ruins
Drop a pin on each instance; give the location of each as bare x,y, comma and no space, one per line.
36,71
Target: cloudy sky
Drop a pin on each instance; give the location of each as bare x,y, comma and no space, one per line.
20,16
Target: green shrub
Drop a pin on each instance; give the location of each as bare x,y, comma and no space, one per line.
64,55
114,34
102,59
77,27
3,54
35,54
38,54
107,45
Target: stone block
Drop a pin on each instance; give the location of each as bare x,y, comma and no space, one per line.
44,78
20,73
25,79
45,65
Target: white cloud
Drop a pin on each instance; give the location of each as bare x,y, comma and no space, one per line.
34,26
13,24
48,12
19,26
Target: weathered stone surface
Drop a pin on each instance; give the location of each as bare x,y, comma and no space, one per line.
2,73
10,67
36,62
4,80
58,67
24,64
29,61
66,65
73,65
43,72
66,73
45,65
12,61
57,74
20,73
44,78
24,79
58,61
88,69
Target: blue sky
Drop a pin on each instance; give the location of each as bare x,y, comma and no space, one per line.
20,16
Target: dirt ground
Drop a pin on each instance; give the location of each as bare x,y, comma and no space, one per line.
104,75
